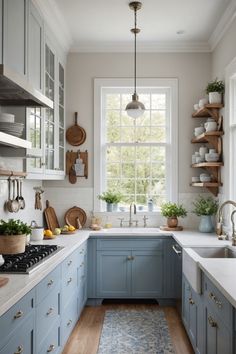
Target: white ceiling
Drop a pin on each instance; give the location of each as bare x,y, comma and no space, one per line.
93,23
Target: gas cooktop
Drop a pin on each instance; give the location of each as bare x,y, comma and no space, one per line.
30,260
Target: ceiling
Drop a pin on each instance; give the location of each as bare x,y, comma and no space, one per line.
107,23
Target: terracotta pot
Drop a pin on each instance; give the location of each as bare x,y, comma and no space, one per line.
172,222
12,244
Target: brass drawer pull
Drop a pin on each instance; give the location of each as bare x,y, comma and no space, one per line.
191,301
212,323
69,280
50,282
49,311
69,323
214,298
69,263
51,348
18,314
20,350
129,258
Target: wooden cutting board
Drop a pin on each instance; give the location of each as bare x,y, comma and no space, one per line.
3,281
76,135
166,228
75,216
50,217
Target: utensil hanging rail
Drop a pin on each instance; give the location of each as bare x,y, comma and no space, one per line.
8,173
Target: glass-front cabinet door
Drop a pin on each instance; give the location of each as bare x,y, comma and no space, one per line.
61,125
35,161
49,120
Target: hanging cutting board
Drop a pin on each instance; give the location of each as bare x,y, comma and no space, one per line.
75,135
75,216
50,217
3,281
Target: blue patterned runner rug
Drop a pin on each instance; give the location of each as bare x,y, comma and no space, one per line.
135,332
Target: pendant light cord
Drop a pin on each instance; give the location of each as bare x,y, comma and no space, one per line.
135,35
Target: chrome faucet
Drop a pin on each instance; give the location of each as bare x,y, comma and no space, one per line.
219,225
130,213
233,229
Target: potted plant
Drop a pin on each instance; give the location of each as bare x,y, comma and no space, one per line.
172,211
205,208
13,236
111,198
215,89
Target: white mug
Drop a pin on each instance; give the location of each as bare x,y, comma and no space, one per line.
210,126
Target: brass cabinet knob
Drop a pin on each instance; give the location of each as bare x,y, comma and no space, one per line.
20,350
50,310
129,258
50,282
69,280
69,263
18,314
69,323
51,348
212,323
191,301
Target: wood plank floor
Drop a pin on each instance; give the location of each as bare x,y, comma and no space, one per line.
85,336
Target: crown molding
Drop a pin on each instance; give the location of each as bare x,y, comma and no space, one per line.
56,22
223,25
143,47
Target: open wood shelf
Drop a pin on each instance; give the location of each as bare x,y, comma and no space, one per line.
207,164
209,110
206,184
203,138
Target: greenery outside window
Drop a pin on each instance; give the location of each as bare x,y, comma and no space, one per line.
135,155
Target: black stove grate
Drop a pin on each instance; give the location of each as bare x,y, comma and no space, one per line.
29,260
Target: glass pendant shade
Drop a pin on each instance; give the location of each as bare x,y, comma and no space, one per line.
135,108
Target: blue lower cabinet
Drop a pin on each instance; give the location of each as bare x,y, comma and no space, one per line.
147,274
192,316
68,319
113,274
22,340
51,343
13,320
47,314
218,337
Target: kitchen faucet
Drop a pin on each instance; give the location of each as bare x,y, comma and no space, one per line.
130,213
233,229
219,224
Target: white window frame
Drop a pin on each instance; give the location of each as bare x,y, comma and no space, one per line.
99,128
229,126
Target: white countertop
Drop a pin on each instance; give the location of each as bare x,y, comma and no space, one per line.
20,284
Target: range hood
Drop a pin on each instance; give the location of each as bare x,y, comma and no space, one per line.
15,90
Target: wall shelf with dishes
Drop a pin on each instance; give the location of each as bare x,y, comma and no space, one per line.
208,157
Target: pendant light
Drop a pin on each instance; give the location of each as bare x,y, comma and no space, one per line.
135,108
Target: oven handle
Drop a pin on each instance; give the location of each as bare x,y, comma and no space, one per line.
178,252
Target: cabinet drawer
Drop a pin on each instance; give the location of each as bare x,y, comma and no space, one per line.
69,287
21,341
51,343
116,244
47,313
217,301
69,264
49,283
15,317
69,318
82,253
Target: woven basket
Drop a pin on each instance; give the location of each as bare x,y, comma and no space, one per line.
12,244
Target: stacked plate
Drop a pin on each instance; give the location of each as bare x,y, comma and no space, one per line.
8,125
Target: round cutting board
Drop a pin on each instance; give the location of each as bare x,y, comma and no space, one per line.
75,214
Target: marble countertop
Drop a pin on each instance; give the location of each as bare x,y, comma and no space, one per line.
20,284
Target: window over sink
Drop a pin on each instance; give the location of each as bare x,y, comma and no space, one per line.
136,157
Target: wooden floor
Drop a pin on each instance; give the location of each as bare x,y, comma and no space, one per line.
85,336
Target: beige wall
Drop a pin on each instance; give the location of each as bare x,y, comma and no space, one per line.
193,71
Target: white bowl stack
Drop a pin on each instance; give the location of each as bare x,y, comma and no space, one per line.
9,126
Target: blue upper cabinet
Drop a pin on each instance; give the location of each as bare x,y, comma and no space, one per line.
35,52
14,37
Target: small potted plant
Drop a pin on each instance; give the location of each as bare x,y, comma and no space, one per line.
111,198
13,236
215,89
172,211
205,208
